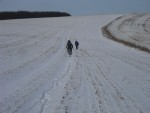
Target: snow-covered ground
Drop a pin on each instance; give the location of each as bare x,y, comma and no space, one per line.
38,76
133,28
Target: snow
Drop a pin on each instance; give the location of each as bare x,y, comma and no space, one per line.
38,76
133,28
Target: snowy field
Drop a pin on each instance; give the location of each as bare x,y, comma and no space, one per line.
103,76
134,28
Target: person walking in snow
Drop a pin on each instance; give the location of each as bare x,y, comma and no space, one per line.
77,44
69,47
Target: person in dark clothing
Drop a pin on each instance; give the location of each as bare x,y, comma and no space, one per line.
69,47
77,44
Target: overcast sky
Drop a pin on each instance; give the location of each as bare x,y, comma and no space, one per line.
78,7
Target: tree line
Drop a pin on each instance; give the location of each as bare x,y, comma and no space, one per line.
27,14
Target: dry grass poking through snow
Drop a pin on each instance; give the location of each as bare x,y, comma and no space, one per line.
124,30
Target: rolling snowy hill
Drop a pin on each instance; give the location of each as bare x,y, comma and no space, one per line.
38,76
132,30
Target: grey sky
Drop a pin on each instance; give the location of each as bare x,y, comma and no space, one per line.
78,7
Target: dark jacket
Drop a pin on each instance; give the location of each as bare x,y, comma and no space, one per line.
76,43
69,45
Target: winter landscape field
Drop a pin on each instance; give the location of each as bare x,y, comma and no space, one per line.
102,76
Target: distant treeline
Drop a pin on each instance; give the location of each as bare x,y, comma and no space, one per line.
28,14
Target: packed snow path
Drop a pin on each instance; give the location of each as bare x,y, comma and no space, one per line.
38,76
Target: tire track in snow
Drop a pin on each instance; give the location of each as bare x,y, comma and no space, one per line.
93,104
73,100
122,97
56,93
80,89
122,104
104,99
